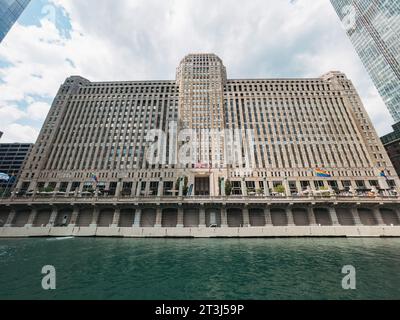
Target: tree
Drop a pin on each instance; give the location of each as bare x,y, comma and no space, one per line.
228,187
280,189
185,184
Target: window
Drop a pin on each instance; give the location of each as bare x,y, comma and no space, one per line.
113,188
318,184
236,187
304,185
63,186
360,184
391,183
168,186
374,183
154,187
75,186
251,186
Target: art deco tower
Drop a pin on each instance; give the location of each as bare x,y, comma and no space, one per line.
201,79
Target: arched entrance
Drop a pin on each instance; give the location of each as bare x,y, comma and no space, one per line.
85,217
367,217
257,217
300,217
322,216
191,218
235,217
21,218
345,216
389,217
64,218
148,218
169,218
106,217
213,217
126,218
279,217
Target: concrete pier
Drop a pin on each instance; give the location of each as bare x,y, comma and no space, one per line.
203,220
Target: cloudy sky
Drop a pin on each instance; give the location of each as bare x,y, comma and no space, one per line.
104,40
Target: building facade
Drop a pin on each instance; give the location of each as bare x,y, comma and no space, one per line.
391,143
12,158
374,29
205,150
10,10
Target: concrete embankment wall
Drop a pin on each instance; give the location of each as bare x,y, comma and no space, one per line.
253,232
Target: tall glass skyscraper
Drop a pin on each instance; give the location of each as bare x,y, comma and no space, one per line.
374,29
10,10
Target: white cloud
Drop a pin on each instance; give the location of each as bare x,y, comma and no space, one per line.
38,110
145,39
9,114
18,133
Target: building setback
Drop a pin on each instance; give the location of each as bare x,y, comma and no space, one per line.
374,27
10,10
391,142
231,152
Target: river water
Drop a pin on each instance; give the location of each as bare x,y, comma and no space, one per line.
108,268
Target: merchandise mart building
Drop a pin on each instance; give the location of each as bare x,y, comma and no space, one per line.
205,151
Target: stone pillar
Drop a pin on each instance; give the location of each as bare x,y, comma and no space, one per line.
224,218
311,216
95,217
356,216
53,217
289,215
333,215
244,188
222,187
32,218
246,217
180,223
138,218
378,216
74,217
116,217
10,218
181,183
287,188
202,217
119,187
266,188
147,190
158,218
138,188
160,190
298,186
268,218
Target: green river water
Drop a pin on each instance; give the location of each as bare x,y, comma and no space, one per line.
180,269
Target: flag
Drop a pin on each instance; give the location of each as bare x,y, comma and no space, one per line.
201,165
4,177
322,173
94,177
383,174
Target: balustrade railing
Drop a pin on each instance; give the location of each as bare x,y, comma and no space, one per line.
59,196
